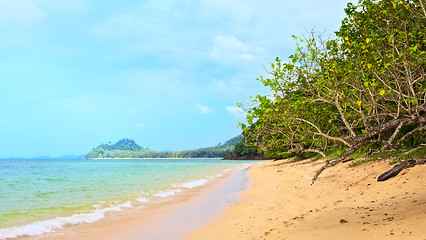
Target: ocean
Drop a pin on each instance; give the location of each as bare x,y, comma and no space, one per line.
41,196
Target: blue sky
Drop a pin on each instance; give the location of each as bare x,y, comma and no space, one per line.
168,74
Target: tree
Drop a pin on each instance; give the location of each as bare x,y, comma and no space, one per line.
366,87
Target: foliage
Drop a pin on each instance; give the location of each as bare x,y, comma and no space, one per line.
365,88
124,144
242,150
127,148
231,142
417,153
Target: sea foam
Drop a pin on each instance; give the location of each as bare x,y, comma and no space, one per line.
178,188
50,225
142,199
167,193
193,184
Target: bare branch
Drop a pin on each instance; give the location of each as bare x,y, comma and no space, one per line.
323,134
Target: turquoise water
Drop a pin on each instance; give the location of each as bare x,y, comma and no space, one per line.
39,196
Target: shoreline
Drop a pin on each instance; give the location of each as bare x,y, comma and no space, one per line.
148,158
220,158
344,203
162,219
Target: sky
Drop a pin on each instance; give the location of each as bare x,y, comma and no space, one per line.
168,74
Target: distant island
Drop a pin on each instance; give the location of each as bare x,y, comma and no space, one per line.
128,148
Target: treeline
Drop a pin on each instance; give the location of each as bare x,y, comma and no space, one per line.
244,150
365,89
127,148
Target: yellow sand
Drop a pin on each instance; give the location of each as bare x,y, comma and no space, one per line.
344,203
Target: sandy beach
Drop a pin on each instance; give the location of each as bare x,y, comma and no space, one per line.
344,203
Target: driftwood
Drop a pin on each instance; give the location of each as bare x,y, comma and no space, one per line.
347,160
395,170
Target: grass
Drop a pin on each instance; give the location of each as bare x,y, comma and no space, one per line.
360,161
364,155
416,153
380,155
395,156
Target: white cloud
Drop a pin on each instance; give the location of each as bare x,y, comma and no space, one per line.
204,109
270,24
139,125
228,43
22,12
229,48
238,87
236,111
165,30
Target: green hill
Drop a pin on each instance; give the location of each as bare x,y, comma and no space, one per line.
127,148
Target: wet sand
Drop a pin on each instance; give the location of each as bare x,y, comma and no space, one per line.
344,203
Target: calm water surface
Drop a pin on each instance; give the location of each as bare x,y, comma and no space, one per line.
38,196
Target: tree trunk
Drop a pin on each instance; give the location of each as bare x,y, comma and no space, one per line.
395,170
358,143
